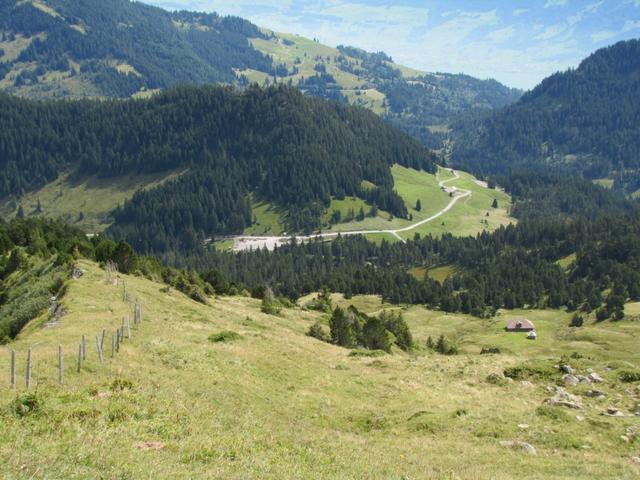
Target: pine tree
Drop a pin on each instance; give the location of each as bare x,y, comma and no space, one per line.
495,203
418,205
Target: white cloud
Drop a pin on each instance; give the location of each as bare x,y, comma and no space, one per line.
519,11
502,35
550,32
555,3
602,35
631,25
360,13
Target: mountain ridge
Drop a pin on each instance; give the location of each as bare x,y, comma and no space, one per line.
118,48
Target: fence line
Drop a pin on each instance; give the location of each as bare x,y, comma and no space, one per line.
117,338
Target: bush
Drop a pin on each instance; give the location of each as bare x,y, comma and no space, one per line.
397,325
367,353
629,376
489,350
576,321
226,336
375,336
25,404
443,346
342,325
531,370
270,305
317,331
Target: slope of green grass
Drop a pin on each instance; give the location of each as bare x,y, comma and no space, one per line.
87,202
467,217
274,403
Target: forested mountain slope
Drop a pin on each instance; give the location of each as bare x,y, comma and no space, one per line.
288,149
115,48
118,48
581,121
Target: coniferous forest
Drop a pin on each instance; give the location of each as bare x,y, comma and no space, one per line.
582,121
294,151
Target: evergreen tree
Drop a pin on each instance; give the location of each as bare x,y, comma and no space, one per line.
418,205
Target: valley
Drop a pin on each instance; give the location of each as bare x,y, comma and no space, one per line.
232,252
275,401
470,216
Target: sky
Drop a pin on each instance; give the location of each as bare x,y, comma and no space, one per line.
517,42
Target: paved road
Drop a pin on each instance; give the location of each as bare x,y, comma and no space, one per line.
254,242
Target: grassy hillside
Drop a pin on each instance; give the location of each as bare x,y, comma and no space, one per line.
423,104
118,48
467,217
86,203
278,404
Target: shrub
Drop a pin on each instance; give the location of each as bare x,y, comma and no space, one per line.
576,321
120,384
443,347
226,336
270,305
25,404
629,376
397,325
531,370
358,352
317,331
375,336
489,350
342,328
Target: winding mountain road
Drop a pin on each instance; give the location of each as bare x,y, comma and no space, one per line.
270,242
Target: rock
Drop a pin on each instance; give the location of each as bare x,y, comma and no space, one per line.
527,384
523,426
580,418
562,398
595,394
624,438
517,445
636,460
594,377
613,412
564,368
583,379
570,380
496,378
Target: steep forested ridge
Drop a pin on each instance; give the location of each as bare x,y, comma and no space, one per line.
581,121
294,151
117,47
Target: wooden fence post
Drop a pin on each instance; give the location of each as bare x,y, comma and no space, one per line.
83,347
128,326
99,349
104,332
118,340
113,344
60,366
28,375
13,369
79,357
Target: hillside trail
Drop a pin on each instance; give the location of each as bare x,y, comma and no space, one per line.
248,242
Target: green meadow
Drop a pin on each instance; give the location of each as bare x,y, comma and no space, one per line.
267,401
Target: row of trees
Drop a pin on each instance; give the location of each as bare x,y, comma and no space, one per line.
515,266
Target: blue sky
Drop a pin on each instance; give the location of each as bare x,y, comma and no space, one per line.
517,42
